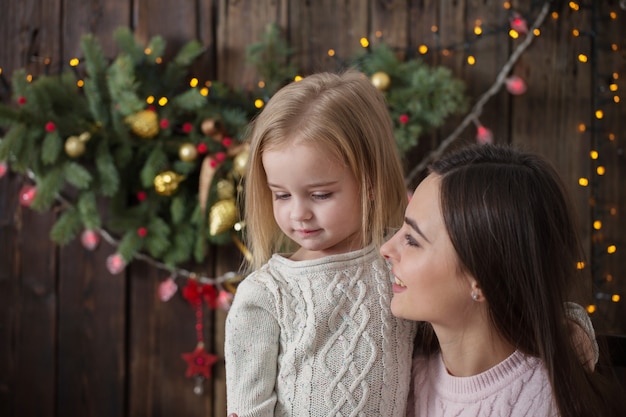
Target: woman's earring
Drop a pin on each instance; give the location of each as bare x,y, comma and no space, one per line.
475,296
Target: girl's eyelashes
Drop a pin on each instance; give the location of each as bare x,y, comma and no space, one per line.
322,196
279,196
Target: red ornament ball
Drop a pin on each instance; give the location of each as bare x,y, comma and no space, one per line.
50,127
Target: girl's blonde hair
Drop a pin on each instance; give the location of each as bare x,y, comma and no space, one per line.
348,116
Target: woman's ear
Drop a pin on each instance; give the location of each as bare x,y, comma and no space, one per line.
476,292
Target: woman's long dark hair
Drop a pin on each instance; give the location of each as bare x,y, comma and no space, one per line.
510,220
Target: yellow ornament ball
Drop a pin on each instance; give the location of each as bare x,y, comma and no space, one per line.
166,183
380,80
144,123
240,162
74,147
187,152
222,216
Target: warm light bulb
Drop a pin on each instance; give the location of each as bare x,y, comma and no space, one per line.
193,82
611,249
582,58
613,87
583,182
554,15
297,78
580,265
80,83
591,309
601,170
331,52
513,34
261,84
574,6
258,103
471,60
147,51
593,154
582,127
599,114
478,30
204,91
576,33
364,42
74,62
422,49
615,298
162,101
597,225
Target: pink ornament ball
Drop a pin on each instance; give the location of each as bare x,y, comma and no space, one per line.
484,135
167,289
27,195
115,263
4,168
90,239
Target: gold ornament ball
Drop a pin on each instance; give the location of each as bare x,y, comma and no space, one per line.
225,189
187,152
222,216
380,80
144,123
74,147
166,183
240,162
210,127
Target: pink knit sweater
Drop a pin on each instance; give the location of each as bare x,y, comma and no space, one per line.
516,387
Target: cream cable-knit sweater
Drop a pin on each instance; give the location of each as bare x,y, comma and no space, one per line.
317,338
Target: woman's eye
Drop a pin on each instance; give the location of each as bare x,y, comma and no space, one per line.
322,196
410,241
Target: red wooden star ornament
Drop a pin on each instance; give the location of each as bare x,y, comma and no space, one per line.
199,362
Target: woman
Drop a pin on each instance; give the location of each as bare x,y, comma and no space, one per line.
487,257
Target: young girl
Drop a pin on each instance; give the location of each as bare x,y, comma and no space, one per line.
310,330
487,255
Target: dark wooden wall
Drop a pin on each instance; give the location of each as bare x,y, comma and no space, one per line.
76,340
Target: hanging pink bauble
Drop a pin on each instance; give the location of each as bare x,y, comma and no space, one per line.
515,85
518,24
167,289
90,239
4,168
484,135
224,300
27,195
115,263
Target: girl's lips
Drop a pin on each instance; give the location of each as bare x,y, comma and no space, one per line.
307,232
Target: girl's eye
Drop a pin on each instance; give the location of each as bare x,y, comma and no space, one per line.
322,196
278,196
410,241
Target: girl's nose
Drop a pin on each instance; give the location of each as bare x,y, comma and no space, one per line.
300,211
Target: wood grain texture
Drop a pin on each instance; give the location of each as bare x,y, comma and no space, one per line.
85,342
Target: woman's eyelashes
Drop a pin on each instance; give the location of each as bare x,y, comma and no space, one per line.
410,241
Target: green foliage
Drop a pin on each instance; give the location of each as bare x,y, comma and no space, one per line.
420,97
134,114
116,171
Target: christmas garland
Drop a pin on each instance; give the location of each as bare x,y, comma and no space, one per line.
164,150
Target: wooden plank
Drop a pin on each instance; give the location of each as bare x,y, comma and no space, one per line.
36,317
241,23
91,337
28,311
317,27
390,23
92,302
546,118
228,259
9,292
